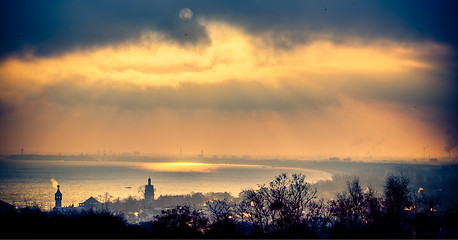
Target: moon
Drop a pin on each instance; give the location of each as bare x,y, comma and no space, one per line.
186,14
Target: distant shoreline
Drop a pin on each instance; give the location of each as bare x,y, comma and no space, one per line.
332,166
229,159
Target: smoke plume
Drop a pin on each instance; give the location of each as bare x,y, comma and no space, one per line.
451,138
54,183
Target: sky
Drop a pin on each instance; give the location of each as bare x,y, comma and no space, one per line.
356,78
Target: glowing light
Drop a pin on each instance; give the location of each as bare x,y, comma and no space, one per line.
179,167
408,208
420,189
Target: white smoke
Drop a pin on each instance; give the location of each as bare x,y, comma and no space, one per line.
54,183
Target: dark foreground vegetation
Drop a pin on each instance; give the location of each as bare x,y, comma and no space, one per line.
285,208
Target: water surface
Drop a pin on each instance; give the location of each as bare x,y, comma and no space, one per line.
29,181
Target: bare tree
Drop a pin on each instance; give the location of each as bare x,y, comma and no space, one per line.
354,209
288,200
222,211
224,219
106,200
255,208
397,198
180,222
396,203
425,204
279,207
317,217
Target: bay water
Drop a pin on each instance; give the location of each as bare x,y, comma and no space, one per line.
33,182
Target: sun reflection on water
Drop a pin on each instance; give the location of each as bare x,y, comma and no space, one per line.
182,166
34,182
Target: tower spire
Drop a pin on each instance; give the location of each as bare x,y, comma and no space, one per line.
58,197
149,194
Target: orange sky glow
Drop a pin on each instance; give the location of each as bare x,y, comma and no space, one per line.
237,93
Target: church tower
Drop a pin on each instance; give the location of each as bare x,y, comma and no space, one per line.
58,198
149,194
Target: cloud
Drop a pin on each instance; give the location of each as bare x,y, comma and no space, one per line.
55,27
237,72
226,96
451,139
317,90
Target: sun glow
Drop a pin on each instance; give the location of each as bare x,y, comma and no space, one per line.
233,54
244,75
179,167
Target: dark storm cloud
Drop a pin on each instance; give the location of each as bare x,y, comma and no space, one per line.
433,102
419,96
451,138
49,27
226,96
56,26
429,92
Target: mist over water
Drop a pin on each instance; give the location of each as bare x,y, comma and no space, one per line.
34,182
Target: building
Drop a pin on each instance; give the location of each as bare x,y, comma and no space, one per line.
149,194
58,198
91,203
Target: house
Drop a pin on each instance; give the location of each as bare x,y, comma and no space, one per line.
91,203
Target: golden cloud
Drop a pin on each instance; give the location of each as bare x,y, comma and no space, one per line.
232,55
359,87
